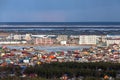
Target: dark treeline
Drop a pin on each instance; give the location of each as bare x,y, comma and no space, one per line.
72,69
97,69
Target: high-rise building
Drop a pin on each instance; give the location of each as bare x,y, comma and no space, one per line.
87,39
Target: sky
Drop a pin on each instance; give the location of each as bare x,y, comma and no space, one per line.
59,10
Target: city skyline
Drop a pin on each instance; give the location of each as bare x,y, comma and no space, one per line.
59,11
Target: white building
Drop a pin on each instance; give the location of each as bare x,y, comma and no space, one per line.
63,42
17,37
28,37
13,42
113,41
87,39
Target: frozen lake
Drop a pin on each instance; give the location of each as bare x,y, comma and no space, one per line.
52,48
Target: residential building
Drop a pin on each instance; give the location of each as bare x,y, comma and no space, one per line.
28,37
62,38
43,41
17,37
113,41
87,39
63,42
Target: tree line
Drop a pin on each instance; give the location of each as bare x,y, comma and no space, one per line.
56,69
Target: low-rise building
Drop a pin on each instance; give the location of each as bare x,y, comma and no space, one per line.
62,38
73,39
17,37
28,37
113,41
13,42
63,42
